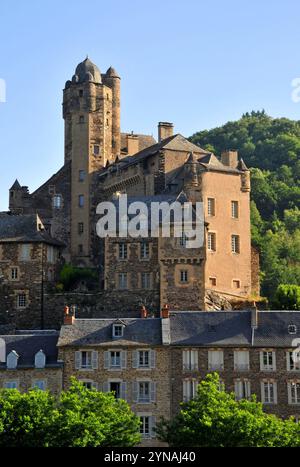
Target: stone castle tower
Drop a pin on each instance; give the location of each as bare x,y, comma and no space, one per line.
91,111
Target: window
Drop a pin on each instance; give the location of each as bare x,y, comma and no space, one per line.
115,359
11,385
80,92
294,392
123,251
81,175
212,281
234,209
292,329
50,254
241,360
143,359
123,280
96,150
80,228
215,360
118,330
145,250
115,387
81,201
184,276
25,252
145,430
21,300
81,119
190,360
267,360
211,241
211,206
269,392
80,249
40,359
14,274
144,392
242,389
293,360
86,360
189,389
12,360
57,201
146,280
39,384
235,243
236,284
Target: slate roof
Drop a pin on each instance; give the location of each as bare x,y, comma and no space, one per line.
144,141
273,330
213,328
98,332
24,228
27,344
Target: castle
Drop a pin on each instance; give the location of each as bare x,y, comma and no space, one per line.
101,162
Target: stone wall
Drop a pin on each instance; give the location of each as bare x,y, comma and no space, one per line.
26,376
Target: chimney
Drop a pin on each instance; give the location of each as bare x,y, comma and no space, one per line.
254,316
230,159
165,129
132,144
69,318
144,312
165,312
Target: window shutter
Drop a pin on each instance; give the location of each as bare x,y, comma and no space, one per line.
288,362
235,359
106,360
274,360
275,392
185,390
135,391
135,357
194,359
95,360
247,389
221,358
77,360
152,426
185,359
152,359
262,389
95,386
210,359
289,390
261,361
105,386
123,359
153,391
238,389
123,391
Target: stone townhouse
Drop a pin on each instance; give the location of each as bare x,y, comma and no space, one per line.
29,359
126,356
29,262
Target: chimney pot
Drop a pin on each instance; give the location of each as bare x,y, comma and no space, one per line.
144,312
68,318
165,312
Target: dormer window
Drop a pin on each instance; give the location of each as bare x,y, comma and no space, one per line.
12,360
40,359
292,329
118,330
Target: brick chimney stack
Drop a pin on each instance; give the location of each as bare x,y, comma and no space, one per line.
165,312
254,316
69,318
144,312
165,130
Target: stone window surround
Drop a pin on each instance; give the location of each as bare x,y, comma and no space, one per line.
273,366
288,363
211,208
12,381
147,258
289,390
215,241
274,382
22,292
11,269
235,209
151,424
35,380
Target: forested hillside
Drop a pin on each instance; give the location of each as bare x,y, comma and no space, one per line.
271,148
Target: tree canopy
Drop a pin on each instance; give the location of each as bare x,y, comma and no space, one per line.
215,419
271,148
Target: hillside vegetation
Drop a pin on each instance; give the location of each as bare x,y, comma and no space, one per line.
271,148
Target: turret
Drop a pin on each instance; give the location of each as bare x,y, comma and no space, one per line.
17,193
113,80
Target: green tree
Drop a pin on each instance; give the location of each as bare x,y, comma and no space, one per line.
288,297
215,419
79,417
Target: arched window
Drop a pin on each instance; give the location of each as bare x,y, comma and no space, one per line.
40,359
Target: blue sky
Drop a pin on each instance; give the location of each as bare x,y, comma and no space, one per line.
192,62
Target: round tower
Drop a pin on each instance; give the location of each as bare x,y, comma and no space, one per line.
113,80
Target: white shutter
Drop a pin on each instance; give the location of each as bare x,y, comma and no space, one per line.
95,360
123,391
152,359
238,389
261,355
288,362
106,360
123,359
135,391
185,359
210,359
153,391
105,386
262,390
221,358
152,426
77,360
274,360
185,390
135,358
95,386
275,392
289,390
247,389
194,359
